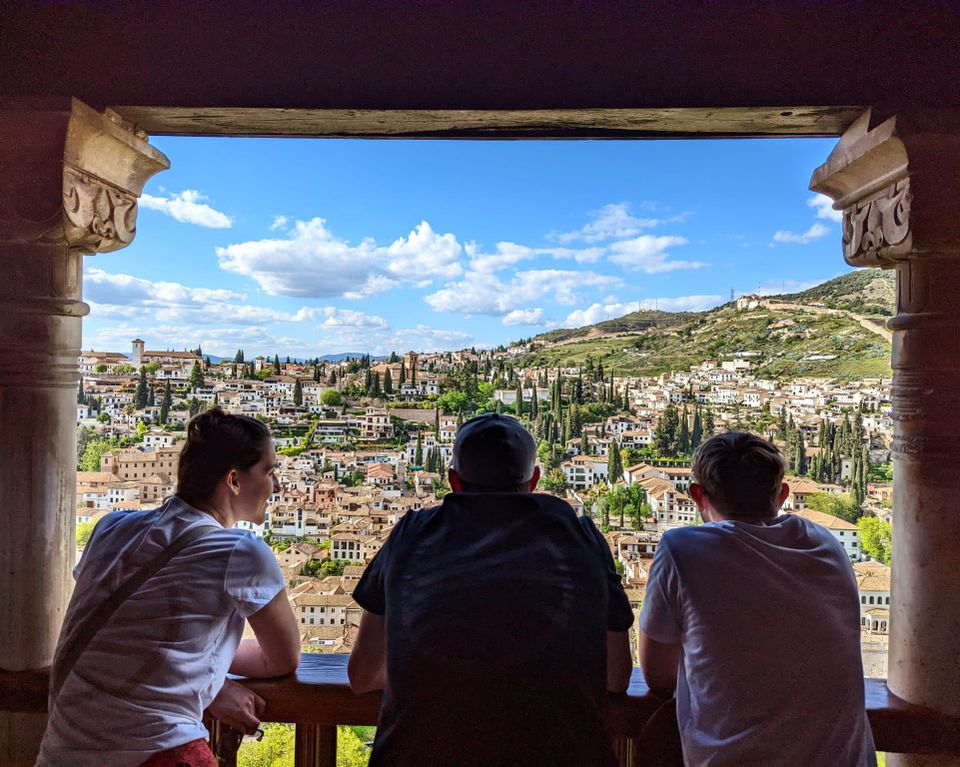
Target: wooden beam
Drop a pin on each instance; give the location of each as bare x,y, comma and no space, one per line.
489,123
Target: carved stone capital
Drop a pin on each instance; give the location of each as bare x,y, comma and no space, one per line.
867,177
72,176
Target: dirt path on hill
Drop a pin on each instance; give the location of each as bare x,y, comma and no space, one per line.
865,322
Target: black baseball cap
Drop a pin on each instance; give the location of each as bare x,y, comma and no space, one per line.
494,451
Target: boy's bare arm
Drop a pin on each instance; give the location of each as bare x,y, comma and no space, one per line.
659,661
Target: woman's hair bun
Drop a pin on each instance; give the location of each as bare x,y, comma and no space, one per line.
217,441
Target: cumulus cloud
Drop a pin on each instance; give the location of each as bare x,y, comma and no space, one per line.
486,294
347,318
524,317
279,222
815,232
122,295
313,262
607,311
648,254
824,207
125,290
187,208
510,253
613,221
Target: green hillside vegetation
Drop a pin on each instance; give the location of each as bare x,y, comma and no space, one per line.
634,322
864,291
782,343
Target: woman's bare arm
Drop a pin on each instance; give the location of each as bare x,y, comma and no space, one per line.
276,649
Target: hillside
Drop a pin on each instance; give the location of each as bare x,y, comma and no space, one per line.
864,291
781,341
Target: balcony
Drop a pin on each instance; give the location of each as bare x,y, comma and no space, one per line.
318,698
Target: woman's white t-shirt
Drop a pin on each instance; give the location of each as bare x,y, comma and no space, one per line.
143,682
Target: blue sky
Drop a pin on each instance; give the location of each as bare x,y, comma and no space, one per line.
308,247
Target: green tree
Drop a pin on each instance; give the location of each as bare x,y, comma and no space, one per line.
297,393
142,395
276,364
387,382
275,749
84,531
696,434
418,452
81,397
836,504
683,433
554,481
452,402
196,376
93,452
331,398
876,538
614,463
665,439
165,403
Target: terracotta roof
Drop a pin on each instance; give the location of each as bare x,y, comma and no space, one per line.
824,520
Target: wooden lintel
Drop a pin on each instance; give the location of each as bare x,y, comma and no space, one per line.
495,124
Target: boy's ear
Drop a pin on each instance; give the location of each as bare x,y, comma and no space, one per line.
784,492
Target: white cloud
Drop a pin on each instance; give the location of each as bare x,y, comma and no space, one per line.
347,318
313,262
125,296
599,312
486,294
524,317
824,206
648,254
187,208
510,253
279,222
612,221
815,232
125,290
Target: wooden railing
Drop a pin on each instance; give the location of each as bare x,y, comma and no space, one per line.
317,698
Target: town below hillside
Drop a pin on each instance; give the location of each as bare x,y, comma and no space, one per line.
361,442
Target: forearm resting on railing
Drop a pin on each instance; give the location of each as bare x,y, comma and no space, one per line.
276,649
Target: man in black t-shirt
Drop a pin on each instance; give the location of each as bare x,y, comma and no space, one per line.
494,623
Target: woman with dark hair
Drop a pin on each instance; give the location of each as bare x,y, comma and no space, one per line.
156,618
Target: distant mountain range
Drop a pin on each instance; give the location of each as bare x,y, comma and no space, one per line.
834,330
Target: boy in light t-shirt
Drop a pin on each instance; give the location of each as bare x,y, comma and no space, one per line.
754,620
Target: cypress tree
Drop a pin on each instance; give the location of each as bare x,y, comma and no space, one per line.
196,376
418,452
276,364
81,397
387,382
518,406
614,463
140,398
696,435
683,435
297,393
165,403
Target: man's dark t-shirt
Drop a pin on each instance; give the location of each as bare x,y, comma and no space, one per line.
497,607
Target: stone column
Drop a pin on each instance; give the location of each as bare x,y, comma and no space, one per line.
898,185
69,182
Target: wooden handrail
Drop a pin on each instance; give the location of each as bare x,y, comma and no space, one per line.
318,696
